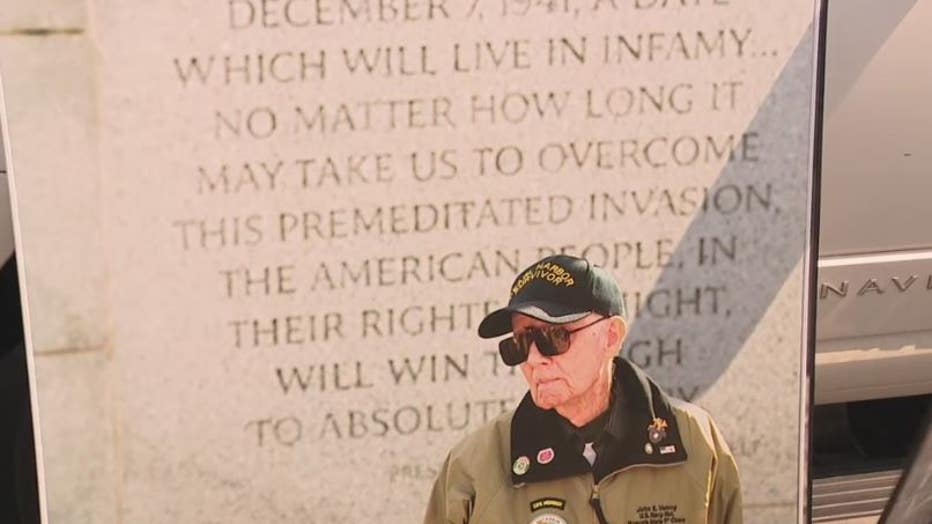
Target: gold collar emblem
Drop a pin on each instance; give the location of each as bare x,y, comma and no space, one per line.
657,430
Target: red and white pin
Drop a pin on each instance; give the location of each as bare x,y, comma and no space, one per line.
545,456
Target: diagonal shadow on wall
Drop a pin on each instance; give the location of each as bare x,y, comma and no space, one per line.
769,233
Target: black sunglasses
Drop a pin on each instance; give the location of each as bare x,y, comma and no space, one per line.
551,341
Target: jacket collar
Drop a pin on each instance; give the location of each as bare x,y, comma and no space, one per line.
641,430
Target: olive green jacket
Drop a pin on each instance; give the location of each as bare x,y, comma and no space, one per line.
660,461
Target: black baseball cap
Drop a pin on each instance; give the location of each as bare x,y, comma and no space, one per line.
558,289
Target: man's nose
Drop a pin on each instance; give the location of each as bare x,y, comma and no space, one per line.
534,357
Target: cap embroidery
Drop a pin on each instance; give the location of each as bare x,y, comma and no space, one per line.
552,273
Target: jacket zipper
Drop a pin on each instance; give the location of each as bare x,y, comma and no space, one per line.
596,502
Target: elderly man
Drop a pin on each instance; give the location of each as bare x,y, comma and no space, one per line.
595,439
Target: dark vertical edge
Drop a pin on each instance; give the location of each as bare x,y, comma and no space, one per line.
811,270
33,496
19,499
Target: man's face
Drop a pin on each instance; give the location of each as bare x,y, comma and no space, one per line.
557,381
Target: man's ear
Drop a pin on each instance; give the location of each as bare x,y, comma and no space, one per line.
617,330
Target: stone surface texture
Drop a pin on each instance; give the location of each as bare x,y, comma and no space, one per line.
255,266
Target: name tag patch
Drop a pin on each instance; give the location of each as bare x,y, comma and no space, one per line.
548,503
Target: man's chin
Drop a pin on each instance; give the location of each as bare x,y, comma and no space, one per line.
547,400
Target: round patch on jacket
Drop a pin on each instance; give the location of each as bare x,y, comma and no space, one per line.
548,518
545,456
521,465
